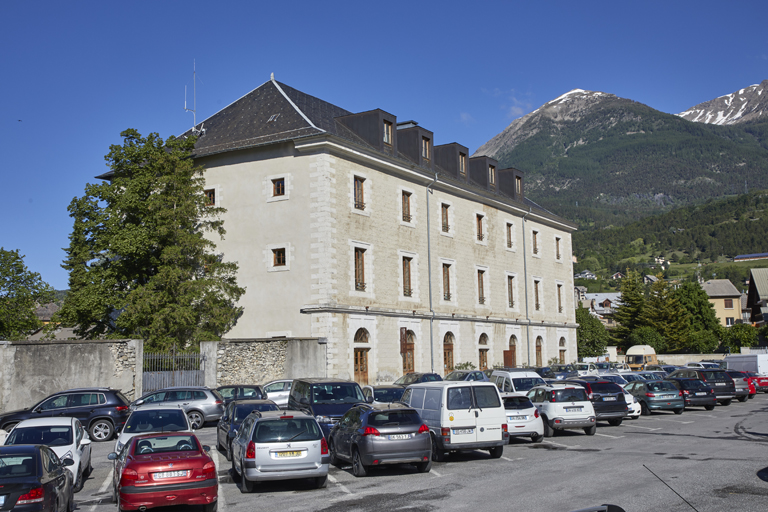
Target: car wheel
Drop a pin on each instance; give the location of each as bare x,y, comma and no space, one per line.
332,453
743,398
548,431
709,407
590,431
496,452
438,455
725,402
644,410
358,468
247,486
536,438
321,482
679,411
79,482
615,422
424,467
211,507
228,453
752,396
196,419
101,430
235,474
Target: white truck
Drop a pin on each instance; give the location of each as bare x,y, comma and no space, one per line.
757,363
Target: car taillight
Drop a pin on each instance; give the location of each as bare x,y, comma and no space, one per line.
650,395
445,432
128,477
370,431
686,392
553,397
286,417
424,429
218,402
209,470
535,413
250,452
680,393
323,446
121,408
504,428
36,495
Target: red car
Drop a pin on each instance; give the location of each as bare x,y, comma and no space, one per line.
760,382
157,470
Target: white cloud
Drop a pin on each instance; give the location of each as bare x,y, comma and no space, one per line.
466,118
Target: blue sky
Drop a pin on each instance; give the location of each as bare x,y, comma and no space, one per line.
73,75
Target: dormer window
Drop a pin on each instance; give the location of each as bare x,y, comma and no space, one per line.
387,133
491,175
462,164
518,185
425,148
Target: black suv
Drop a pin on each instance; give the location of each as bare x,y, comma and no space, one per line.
100,410
607,399
718,380
326,400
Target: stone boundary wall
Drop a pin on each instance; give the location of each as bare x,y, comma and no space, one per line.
33,370
680,359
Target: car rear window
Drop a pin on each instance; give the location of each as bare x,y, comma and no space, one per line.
241,411
166,444
605,387
661,386
432,377
120,396
287,429
615,379
388,394
455,376
49,436
140,421
514,403
342,392
524,384
17,465
693,384
393,418
486,396
714,375
215,393
571,395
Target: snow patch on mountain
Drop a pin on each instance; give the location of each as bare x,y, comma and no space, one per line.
745,105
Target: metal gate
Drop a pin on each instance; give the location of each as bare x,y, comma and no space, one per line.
170,369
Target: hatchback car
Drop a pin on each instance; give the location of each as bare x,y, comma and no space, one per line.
631,376
657,396
759,381
151,419
695,393
32,477
376,435
100,410
564,406
241,392
741,385
65,436
384,394
278,391
201,404
717,379
607,400
523,418
285,445
515,381
467,375
416,377
158,470
236,412
585,369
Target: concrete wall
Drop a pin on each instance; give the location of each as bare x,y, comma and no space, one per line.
32,370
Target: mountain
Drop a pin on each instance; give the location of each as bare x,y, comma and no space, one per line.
746,105
599,159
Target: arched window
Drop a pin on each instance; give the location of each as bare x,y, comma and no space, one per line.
361,357
410,343
539,343
448,352
361,336
483,339
562,350
483,360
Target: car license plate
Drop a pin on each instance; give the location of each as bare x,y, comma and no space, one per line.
463,431
169,474
513,418
719,383
609,399
701,393
288,454
399,436
573,409
2,501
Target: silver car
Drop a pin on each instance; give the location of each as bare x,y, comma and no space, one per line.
278,391
200,403
279,445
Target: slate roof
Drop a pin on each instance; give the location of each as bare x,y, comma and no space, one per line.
759,279
720,288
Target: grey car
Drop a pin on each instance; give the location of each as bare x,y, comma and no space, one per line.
200,403
375,435
278,391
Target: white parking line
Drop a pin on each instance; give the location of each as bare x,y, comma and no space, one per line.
556,444
103,488
512,460
674,421
433,472
336,482
638,426
222,506
606,435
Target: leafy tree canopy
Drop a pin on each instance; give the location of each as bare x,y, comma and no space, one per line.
591,336
696,302
21,291
139,262
739,335
647,335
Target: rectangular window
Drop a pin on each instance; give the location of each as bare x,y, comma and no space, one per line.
446,281
491,175
559,298
518,185
480,234
387,133
407,277
536,295
406,207
444,214
425,148
278,257
278,187
511,290
729,321
535,242
462,164
359,196
509,235
728,303
480,293
359,269
210,197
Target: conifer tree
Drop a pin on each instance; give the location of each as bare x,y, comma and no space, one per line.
664,312
628,313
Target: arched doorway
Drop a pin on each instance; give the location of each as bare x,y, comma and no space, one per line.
410,343
483,351
539,343
361,357
510,356
448,352
562,350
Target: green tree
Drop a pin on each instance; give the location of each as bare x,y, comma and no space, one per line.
647,335
628,312
664,312
591,336
139,262
701,312
21,291
739,335
702,342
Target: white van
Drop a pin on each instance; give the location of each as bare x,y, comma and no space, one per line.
516,381
461,415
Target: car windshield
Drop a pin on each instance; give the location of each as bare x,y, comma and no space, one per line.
343,392
287,428
560,368
571,395
408,378
693,384
50,436
581,366
17,465
615,379
652,376
524,384
243,410
661,386
454,375
714,375
605,387
629,377
603,366
515,403
393,418
388,394
170,420
164,444
638,359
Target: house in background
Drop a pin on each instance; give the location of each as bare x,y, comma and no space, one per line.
603,306
726,299
580,295
585,274
757,296
618,275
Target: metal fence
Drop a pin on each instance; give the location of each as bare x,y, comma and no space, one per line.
165,370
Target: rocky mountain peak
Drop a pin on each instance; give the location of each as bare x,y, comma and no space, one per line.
744,105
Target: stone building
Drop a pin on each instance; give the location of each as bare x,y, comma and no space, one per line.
402,255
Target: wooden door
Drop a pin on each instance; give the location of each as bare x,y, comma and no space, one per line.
447,358
361,366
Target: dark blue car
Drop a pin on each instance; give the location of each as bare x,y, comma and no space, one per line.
326,400
32,477
234,414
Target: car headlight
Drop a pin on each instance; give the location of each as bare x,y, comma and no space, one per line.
323,419
67,455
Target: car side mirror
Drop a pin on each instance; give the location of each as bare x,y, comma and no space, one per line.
304,401
85,441
68,462
369,399
139,402
225,418
206,448
112,456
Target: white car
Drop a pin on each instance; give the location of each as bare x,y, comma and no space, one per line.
633,406
152,419
278,391
65,436
523,418
585,369
564,406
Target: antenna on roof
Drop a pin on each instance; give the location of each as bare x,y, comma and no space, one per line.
195,129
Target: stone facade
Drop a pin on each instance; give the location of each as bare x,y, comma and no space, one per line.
256,362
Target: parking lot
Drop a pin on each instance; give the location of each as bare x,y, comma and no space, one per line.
716,460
